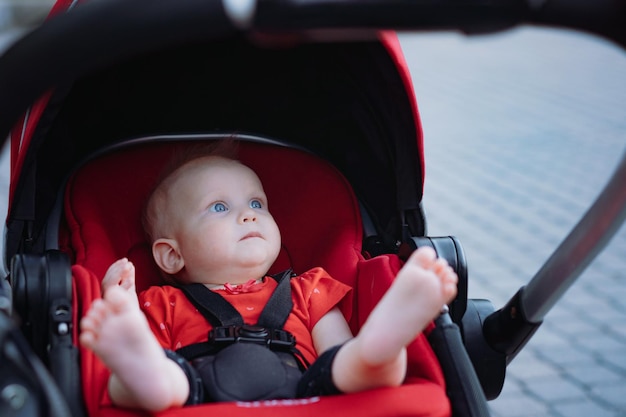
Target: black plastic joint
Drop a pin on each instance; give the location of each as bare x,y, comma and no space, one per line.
489,364
508,330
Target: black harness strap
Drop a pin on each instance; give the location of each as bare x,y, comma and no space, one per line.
220,312
280,304
212,306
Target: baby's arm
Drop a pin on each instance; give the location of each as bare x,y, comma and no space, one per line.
331,330
350,372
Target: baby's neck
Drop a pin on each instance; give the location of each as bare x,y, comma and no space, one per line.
226,284
252,285
218,277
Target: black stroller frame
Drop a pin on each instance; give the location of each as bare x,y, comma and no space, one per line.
489,339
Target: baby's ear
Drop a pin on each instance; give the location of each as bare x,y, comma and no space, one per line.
167,256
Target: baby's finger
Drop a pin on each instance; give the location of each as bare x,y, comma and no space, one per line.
114,274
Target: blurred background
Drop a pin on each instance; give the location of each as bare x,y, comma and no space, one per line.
522,129
20,14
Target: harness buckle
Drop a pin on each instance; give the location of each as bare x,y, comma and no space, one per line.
274,339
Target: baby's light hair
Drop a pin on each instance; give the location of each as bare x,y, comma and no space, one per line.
183,155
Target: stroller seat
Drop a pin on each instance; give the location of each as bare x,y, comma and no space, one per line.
320,222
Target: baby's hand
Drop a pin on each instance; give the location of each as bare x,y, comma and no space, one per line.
122,273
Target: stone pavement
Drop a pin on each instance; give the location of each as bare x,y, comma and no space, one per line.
522,130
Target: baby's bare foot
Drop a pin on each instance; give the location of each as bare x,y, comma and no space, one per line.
421,289
444,281
118,333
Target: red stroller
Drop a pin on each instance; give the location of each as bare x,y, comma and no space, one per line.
311,121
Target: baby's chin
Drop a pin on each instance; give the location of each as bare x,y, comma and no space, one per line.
257,253
257,269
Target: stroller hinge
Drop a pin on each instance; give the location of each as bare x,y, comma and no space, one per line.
28,236
30,230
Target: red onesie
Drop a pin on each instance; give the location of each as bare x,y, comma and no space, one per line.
177,323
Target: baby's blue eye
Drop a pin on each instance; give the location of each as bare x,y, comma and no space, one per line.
218,207
255,204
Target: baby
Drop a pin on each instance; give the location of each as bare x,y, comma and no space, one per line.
209,223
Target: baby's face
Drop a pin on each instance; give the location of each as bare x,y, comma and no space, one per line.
222,224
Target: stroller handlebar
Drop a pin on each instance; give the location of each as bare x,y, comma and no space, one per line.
586,240
508,330
470,17
602,17
95,34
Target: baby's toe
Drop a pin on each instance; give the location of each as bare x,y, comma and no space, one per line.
425,257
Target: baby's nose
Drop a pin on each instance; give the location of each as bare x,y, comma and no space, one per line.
248,216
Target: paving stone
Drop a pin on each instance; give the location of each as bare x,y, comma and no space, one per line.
616,360
613,394
585,409
562,356
519,406
555,392
591,373
526,366
601,342
569,327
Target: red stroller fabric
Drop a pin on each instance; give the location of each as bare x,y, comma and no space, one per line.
320,223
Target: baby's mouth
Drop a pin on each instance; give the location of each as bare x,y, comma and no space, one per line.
252,235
